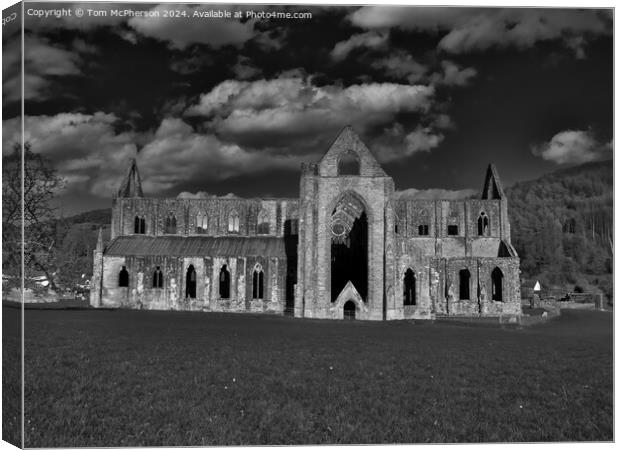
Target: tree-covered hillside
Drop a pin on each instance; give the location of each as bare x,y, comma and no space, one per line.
562,227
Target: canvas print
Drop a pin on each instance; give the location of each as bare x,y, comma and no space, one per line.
245,224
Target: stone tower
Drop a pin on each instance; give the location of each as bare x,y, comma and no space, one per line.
344,203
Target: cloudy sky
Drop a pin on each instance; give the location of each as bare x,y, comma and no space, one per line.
235,105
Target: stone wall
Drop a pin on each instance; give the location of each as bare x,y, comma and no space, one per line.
140,294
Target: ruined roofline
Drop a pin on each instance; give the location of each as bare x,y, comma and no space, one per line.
221,198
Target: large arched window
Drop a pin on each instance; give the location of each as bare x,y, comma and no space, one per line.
348,164
190,282
257,282
263,223
123,278
497,282
233,222
224,282
483,224
158,278
202,223
170,224
139,225
409,295
464,277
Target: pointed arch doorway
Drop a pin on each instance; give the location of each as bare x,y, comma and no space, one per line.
349,246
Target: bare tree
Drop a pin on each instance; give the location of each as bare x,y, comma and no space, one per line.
40,182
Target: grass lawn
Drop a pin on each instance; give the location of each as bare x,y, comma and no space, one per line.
131,378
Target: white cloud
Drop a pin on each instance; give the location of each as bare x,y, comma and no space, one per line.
178,154
402,66
454,75
573,147
370,39
182,33
422,139
291,105
203,194
469,29
84,148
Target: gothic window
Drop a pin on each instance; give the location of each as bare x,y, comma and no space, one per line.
158,278
233,222
263,223
170,226
348,165
202,223
190,282
423,223
497,281
139,226
464,277
257,282
409,295
483,224
224,282
123,278
453,230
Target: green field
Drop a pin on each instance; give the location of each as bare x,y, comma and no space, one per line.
131,378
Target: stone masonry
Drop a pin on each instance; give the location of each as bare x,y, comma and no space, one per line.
421,258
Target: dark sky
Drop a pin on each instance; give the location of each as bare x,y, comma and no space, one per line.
217,106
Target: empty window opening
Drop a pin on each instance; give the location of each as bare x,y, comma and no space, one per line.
423,230
233,222
139,226
201,223
409,296
158,278
483,224
190,282
464,277
123,278
263,223
349,165
453,230
224,282
171,224
497,281
257,284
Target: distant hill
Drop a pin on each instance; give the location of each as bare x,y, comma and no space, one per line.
562,226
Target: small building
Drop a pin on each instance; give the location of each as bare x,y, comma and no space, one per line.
347,246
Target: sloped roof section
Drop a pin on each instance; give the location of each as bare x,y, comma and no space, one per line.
132,186
348,142
196,246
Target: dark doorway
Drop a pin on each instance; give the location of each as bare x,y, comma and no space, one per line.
190,282
123,278
349,310
409,294
290,248
224,282
350,256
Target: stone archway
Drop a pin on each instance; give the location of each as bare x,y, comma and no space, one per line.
349,302
349,310
349,246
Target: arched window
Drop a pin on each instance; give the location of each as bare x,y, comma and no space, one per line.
201,223
123,278
409,296
263,223
190,282
139,225
348,165
224,282
233,222
497,281
171,224
257,282
158,278
464,277
483,224
423,223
